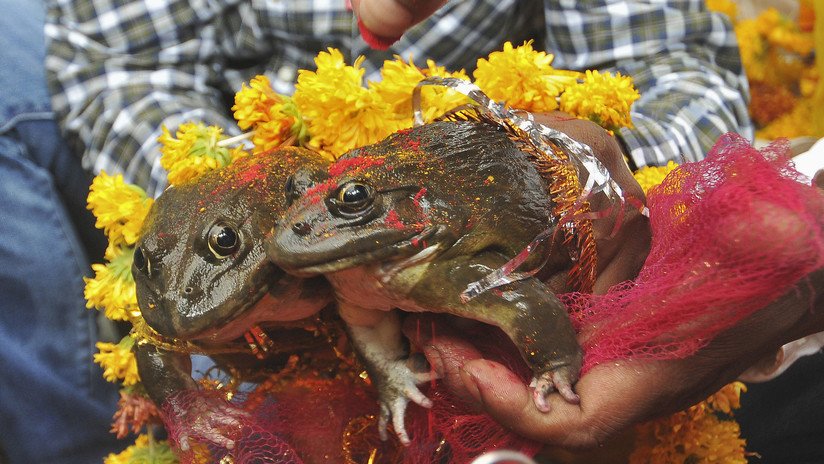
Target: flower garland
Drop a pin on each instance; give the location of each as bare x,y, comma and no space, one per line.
332,112
778,54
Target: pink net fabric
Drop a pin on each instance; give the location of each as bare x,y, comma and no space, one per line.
729,235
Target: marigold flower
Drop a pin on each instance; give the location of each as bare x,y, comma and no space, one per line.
118,361
340,113
523,78
254,103
145,450
274,118
650,176
602,98
695,435
194,151
399,78
752,48
112,287
727,398
134,411
119,208
727,7
797,123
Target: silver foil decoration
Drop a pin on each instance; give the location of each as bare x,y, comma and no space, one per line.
597,180
503,456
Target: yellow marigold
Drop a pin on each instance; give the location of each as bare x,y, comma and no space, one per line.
752,48
769,20
791,39
112,287
523,78
808,81
727,7
273,117
145,450
796,123
399,78
118,361
253,104
602,98
695,435
781,31
683,439
125,456
650,176
727,398
195,149
119,208
340,113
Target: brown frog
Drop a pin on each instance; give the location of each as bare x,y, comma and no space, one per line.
201,273
410,223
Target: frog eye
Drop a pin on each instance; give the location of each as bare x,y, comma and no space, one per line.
354,194
352,200
141,263
223,240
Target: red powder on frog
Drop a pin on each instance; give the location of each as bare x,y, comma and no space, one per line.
318,192
353,165
393,220
251,174
417,199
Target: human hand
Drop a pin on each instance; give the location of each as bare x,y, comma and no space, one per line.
621,252
618,394
391,18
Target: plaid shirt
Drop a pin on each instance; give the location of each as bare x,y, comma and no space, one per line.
120,69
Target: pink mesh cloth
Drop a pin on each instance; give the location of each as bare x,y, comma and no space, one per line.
730,234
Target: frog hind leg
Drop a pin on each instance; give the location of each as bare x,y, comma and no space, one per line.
526,310
376,337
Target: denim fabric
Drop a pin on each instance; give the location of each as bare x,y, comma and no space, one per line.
54,405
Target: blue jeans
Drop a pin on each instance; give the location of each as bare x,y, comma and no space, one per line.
54,405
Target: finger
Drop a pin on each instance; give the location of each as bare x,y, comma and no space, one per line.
391,18
611,397
504,397
445,350
818,179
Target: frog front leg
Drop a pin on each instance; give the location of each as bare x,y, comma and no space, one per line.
164,374
376,337
526,310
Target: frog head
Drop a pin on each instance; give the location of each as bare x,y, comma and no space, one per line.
418,193
199,267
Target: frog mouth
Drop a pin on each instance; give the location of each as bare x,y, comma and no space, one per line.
397,250
233,325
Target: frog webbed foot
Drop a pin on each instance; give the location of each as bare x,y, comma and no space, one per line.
559,379
207,419
398,386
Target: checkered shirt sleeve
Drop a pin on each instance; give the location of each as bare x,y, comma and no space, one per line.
684,61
